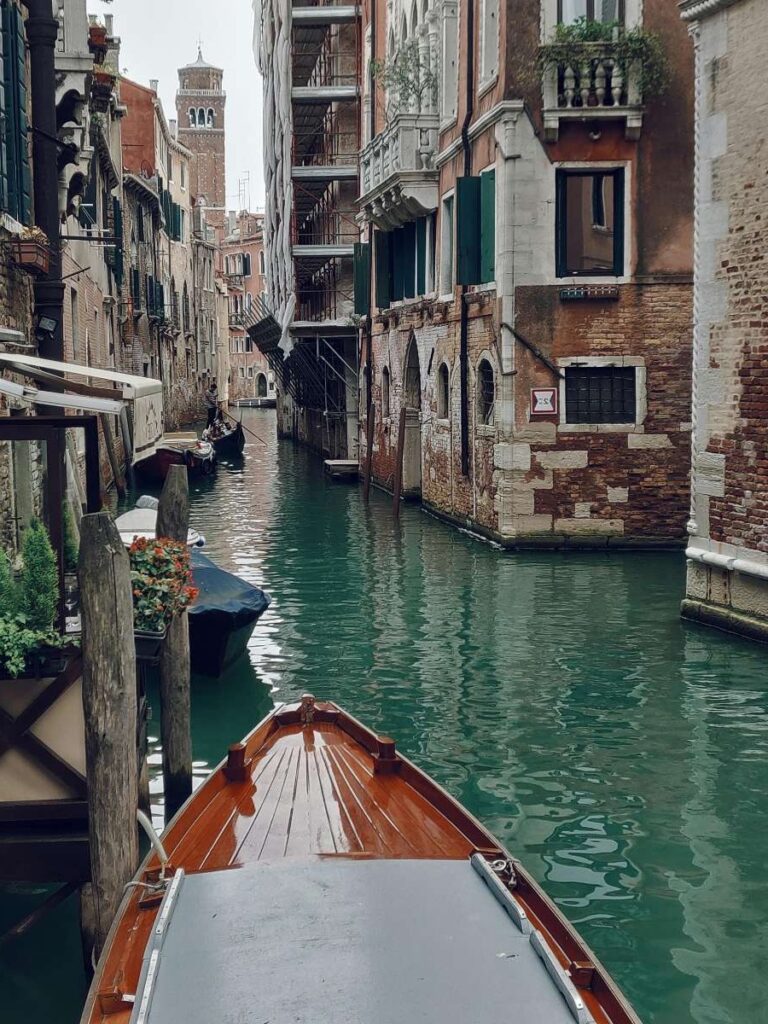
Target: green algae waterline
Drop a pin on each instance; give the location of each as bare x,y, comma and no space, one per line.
621,754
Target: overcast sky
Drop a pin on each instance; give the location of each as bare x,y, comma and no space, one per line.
160,36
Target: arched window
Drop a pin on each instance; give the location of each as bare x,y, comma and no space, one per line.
403,30
211,117
414,18
185,310
443,393
486,392
261,386
192,117
200,118
385,392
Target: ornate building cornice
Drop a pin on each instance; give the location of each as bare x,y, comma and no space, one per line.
693,10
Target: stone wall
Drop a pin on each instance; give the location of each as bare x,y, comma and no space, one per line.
728,571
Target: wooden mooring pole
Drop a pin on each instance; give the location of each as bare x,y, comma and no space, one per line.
175,698
398,488
109,705
369,435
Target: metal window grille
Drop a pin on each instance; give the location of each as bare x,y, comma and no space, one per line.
600,394
486,392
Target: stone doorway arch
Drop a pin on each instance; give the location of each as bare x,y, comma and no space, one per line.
412,400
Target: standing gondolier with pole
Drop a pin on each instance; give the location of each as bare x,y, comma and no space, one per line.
211,395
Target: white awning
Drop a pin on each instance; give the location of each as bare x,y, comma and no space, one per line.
132,386
82,403
144,394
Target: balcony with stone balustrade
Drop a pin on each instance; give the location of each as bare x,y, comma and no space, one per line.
594,89
399,180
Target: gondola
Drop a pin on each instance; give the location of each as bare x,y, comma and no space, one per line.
227,437
319,876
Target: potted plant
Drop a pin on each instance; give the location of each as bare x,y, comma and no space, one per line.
162,588
30,647
102,87
31,251
97,41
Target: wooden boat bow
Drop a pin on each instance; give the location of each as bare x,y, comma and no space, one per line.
309,794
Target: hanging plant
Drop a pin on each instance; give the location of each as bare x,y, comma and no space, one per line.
407,79
577,44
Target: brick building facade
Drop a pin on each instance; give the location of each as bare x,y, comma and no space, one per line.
531,287
728,545
243,266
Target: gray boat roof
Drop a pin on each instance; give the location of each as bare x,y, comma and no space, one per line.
348,941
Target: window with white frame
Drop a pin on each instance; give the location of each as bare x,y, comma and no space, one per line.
447,261
590,222
489,41
606,11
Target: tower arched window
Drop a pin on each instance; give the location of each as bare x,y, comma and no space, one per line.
192,117
211,118
201,118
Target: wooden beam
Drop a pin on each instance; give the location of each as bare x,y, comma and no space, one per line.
109,443
110,707
10,735
45,908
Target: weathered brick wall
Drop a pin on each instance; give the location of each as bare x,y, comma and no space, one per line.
730,508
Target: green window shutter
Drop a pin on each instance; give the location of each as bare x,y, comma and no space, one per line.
382,242
488,227
3,134
409,259
117,217
151,296
468,231
362,278
421,255
19,180
398,269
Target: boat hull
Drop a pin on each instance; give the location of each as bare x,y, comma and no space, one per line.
157,466
310,799
230,445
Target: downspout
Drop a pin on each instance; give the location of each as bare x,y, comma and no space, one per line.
464,323
42,34
371,278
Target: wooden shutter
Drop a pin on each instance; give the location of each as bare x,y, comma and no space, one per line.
488,227
409,259
397,264
19,181
25,174
421,255
468,230
362,278
382,242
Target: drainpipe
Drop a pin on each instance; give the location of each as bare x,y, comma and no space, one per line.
464,323
42,33
372,279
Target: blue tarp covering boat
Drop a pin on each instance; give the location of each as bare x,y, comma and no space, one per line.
222,618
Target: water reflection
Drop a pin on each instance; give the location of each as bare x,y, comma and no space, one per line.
622,755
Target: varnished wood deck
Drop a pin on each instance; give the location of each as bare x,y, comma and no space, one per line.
326,788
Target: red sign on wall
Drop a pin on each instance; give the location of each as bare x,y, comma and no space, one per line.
544,401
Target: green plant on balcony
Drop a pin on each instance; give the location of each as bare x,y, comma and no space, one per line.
407,79
636,49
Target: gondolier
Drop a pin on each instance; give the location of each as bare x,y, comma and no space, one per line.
212,401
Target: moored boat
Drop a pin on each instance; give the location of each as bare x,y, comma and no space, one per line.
222,616
363,893
179,450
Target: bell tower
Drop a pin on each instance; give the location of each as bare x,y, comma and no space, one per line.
200,110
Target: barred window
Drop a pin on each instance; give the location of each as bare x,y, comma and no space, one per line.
600,394
486,392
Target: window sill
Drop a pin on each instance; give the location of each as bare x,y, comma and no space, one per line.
486,86
579,280
485,430
601,428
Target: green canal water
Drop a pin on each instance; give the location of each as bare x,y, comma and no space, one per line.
622,755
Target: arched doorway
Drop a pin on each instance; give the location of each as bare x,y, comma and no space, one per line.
412,398
261,386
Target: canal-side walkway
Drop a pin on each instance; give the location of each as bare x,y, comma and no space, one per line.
620,753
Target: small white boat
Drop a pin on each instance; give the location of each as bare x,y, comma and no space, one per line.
142,522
